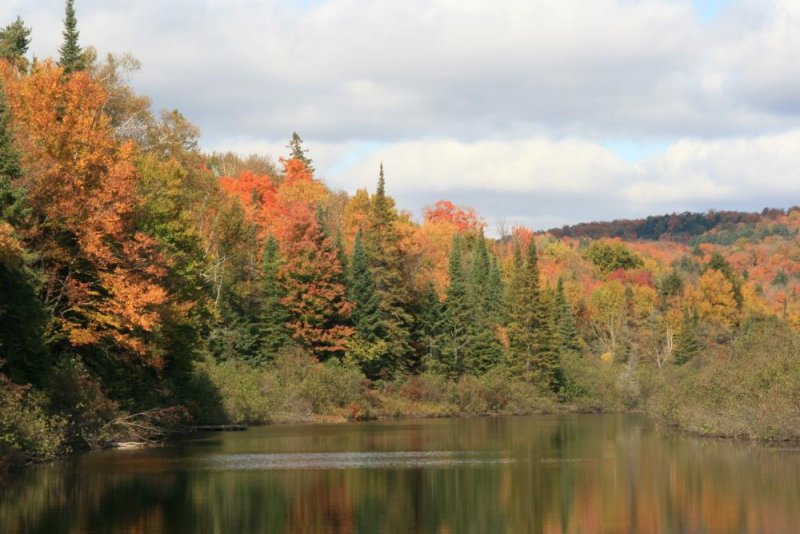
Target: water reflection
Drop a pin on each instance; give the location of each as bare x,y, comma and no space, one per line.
579,474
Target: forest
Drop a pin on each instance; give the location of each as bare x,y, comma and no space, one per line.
147,286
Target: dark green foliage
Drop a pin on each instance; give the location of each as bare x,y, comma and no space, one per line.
273,333
429,321
71,57
671,285
14,41
366,313
609,257
457,316
484,348
298,152
530,331
688,343
780,279
567,336
11,197
383,248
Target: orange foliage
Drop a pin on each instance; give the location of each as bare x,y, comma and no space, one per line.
101,274
465,219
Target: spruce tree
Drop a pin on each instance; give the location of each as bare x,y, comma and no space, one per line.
382,243
298,152
273,333
530,329
483,347
15,39
71,57
688,343
429,322
361,293
494,293
11,196
567,336
457,316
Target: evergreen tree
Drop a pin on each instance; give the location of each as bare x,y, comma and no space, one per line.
11,205
494,293
15,39
366,317
567,336
529,329
298,152
429,322
457,316
483,348
71,57
273,317
382,242
688,343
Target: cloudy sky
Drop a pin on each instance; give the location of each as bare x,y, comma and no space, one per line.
539,112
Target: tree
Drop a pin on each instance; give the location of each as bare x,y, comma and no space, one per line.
718,263
101,275
11,205
483,344
273,316
457,315
567,336
382,243
609,257
312,281
298,152
529,329
71,56
688,343
15,39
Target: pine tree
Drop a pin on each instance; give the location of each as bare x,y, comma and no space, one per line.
15,39
429,322
362,294
298,152
273,316
567,336
529,329
483,346
71,57
688,343
382,242
494,293
457,316
10,168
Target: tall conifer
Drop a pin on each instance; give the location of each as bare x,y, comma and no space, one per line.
71,57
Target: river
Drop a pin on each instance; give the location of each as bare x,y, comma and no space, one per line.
549,474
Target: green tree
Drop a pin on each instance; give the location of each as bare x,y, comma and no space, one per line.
484,350
530,329
457,316
688,343
298,152
15,38
382,242
71,57
11,196
609,257
567,336
429,321
273,316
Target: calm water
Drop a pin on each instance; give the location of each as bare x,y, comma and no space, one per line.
581,474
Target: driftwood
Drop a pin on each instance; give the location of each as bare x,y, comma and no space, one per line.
147,427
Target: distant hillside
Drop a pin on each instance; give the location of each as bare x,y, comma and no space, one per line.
684,227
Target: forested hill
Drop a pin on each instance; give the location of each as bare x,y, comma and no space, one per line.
683,227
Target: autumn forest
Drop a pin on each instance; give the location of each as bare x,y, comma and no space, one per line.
147,286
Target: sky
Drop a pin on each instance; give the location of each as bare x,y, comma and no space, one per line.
542,112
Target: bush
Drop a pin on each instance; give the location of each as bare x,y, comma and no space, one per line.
27,432
753,391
